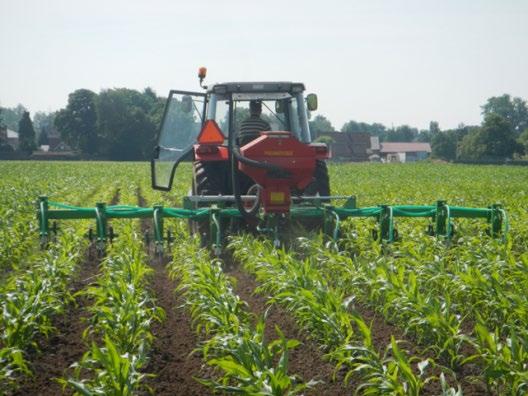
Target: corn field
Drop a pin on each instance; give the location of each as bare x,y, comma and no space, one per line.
420,316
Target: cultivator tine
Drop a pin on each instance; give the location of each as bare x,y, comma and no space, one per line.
444,226
498,222
101,228
43,220
157,216
215,230
331,223
386,224
146,237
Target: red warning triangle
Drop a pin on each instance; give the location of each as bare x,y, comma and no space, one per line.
211,133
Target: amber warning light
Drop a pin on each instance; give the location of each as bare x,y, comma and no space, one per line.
202,72
211,133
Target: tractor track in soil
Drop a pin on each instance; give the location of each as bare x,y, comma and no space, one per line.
66,345
171,359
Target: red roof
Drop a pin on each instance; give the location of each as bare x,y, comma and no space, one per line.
405,147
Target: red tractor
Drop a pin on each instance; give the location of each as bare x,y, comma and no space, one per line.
259,172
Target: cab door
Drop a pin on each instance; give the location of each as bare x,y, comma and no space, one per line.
182,121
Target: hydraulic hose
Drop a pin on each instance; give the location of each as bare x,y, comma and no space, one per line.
250,217
236,157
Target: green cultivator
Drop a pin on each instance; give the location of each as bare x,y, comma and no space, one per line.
218,220
260,174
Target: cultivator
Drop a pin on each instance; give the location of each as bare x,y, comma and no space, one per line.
441,217
265,175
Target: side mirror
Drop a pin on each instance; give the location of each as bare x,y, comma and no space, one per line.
187,104
279,106
311,102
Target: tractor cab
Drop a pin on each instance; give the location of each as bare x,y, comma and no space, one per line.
223,108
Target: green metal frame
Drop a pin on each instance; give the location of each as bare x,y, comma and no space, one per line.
441,215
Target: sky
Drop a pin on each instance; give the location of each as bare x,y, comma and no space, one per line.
395,62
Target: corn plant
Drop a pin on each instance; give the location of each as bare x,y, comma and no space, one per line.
31,300
248,363
505,362
326,316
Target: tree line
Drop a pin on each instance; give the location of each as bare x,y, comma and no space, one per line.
503,133
121,124
116,124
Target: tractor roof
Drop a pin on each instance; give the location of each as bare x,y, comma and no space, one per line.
257,86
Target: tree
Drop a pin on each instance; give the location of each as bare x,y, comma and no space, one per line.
513,110
523,141
444,145
4,146
328,140
375,129
434,127
26,134
77,123
403,133
126,130
11,116
320,124
426,135
354,127
494,140
42,120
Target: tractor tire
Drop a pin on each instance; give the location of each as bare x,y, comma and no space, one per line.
208,179
321,182
320,185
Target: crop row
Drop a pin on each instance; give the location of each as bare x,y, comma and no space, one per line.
34,295
326,314
464,309
244,361
122,311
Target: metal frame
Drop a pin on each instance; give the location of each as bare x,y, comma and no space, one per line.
440,214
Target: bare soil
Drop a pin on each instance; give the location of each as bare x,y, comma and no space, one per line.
66,345
172,360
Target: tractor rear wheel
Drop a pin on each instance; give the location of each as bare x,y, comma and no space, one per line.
321,183
208,179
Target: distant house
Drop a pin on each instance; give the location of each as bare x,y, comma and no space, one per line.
348,146
10,137
404,151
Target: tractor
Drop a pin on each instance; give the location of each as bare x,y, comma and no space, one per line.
264,173
255,169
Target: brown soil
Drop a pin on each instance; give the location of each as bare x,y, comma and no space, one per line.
66,345
307,360
171,358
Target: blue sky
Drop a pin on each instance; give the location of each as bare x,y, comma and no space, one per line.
395,62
